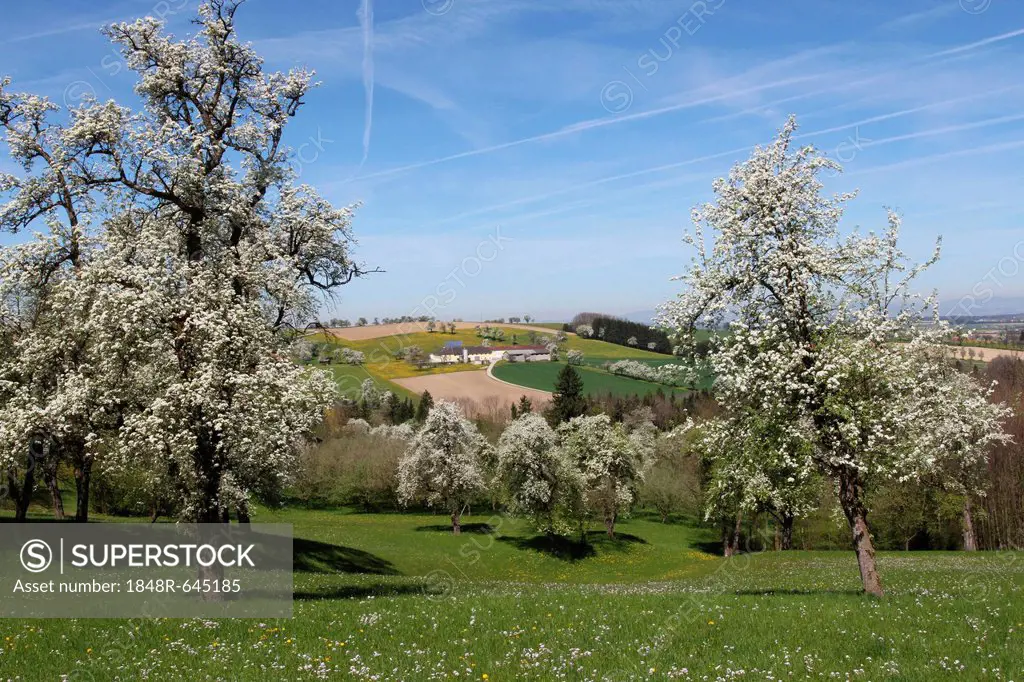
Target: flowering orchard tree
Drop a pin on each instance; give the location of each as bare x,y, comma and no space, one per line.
442,466
43,419
611,461
826,341
538,479
958,425
205,252
574,357
757,466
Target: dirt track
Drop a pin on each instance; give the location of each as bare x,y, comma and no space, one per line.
374,331
487,393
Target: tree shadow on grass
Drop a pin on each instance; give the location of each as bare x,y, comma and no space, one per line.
708,546
359,591
572,549
311,556
478,528
795,592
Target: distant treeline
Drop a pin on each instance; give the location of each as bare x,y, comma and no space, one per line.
622,332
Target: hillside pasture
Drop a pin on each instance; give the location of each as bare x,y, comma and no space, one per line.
380,351
405,378
350,378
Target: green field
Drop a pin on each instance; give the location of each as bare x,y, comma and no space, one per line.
396,597
596,382
350,379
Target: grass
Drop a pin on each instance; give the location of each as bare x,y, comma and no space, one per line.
350,379
395,597
542,375
594,349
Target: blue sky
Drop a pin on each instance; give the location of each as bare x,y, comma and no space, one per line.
531,156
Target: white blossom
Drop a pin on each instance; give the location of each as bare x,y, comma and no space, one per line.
442,466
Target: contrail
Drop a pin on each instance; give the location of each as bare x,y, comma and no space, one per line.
746,149
979,43
590,125
602,122
366,24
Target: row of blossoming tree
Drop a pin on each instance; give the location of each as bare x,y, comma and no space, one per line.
559,477
142,322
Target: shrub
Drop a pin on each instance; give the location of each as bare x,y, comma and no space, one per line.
357,469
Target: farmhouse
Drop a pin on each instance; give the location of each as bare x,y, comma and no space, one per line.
482,355
452,353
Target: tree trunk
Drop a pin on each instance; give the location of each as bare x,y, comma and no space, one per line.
50,477
787,531
609,524
970,539
21,493
851,499
456,523
83,471
210,577
23,496
731,537
243,515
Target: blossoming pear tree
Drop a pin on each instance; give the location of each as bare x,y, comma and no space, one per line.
959,424
442,465
611,461
207,252
827,339
538,479
757,466
44,418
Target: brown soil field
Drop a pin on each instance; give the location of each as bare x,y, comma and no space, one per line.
987,354
374,331
474,390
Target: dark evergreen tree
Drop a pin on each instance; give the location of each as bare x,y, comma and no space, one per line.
525,406
395,411
426,403
568,400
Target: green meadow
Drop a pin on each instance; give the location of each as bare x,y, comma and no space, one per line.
397,597
596,382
